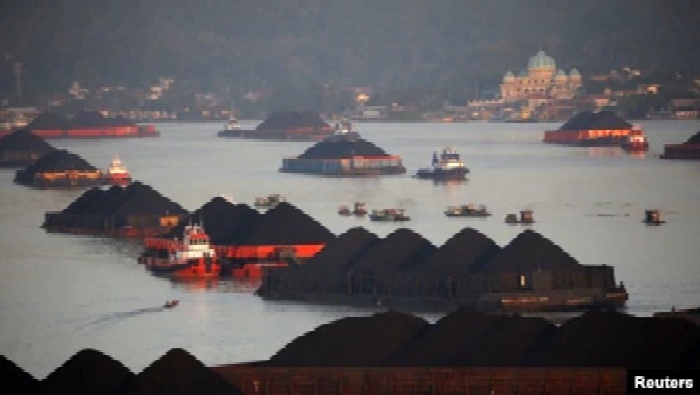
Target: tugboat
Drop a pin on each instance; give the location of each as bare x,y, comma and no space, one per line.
269,202
344,210
195,258
117,174
635,143
653,217
447,166
525,218
467,211
359,210
389,215
232,124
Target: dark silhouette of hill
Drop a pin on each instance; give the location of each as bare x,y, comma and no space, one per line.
87,372
14,380
387,43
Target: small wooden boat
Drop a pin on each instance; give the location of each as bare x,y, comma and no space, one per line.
270,201
169,304
467,211
389,215
360,209
526,218
344,210
653,217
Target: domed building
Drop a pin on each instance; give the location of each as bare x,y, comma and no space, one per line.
541,80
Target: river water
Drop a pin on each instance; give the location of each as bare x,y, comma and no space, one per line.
62,293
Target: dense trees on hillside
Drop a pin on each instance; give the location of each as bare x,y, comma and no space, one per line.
241,44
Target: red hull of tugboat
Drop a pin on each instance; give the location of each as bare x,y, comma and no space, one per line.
194,268
635,147
118,181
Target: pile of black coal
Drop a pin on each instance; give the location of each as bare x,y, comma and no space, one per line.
54,161
618,340
338,148
95,119
529,251
507,343
48,121
351,342
441,343
178,372
285,224
22,143
694,139
87,372
14,380
218,216
602,120
466,249
403,249
292,119
141,199
327,264
136,199
341,252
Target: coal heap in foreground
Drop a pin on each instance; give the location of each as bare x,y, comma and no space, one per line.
465,338
87,372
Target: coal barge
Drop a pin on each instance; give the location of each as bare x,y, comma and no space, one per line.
405,271
85,125
689,150
22,148
589,129
285,126
60,169
344,153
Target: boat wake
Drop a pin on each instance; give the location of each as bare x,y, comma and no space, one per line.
112,318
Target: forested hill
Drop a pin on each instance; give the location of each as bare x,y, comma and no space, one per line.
397,43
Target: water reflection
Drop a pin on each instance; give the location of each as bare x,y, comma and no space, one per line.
219,285
612,152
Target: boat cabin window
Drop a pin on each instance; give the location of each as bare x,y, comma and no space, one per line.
523,281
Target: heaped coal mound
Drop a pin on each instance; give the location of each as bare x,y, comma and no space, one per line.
618,340
139,198
342,251
87,372
56,160
466,249
441,343
694,139
81,204
595,120
529,251
14,380
48,121
91,119
136,199
286,225
342,148
507,343
179,373
292,119
24,140
351,342
401,250
226,223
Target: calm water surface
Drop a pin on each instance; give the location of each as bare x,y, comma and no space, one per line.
61,293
